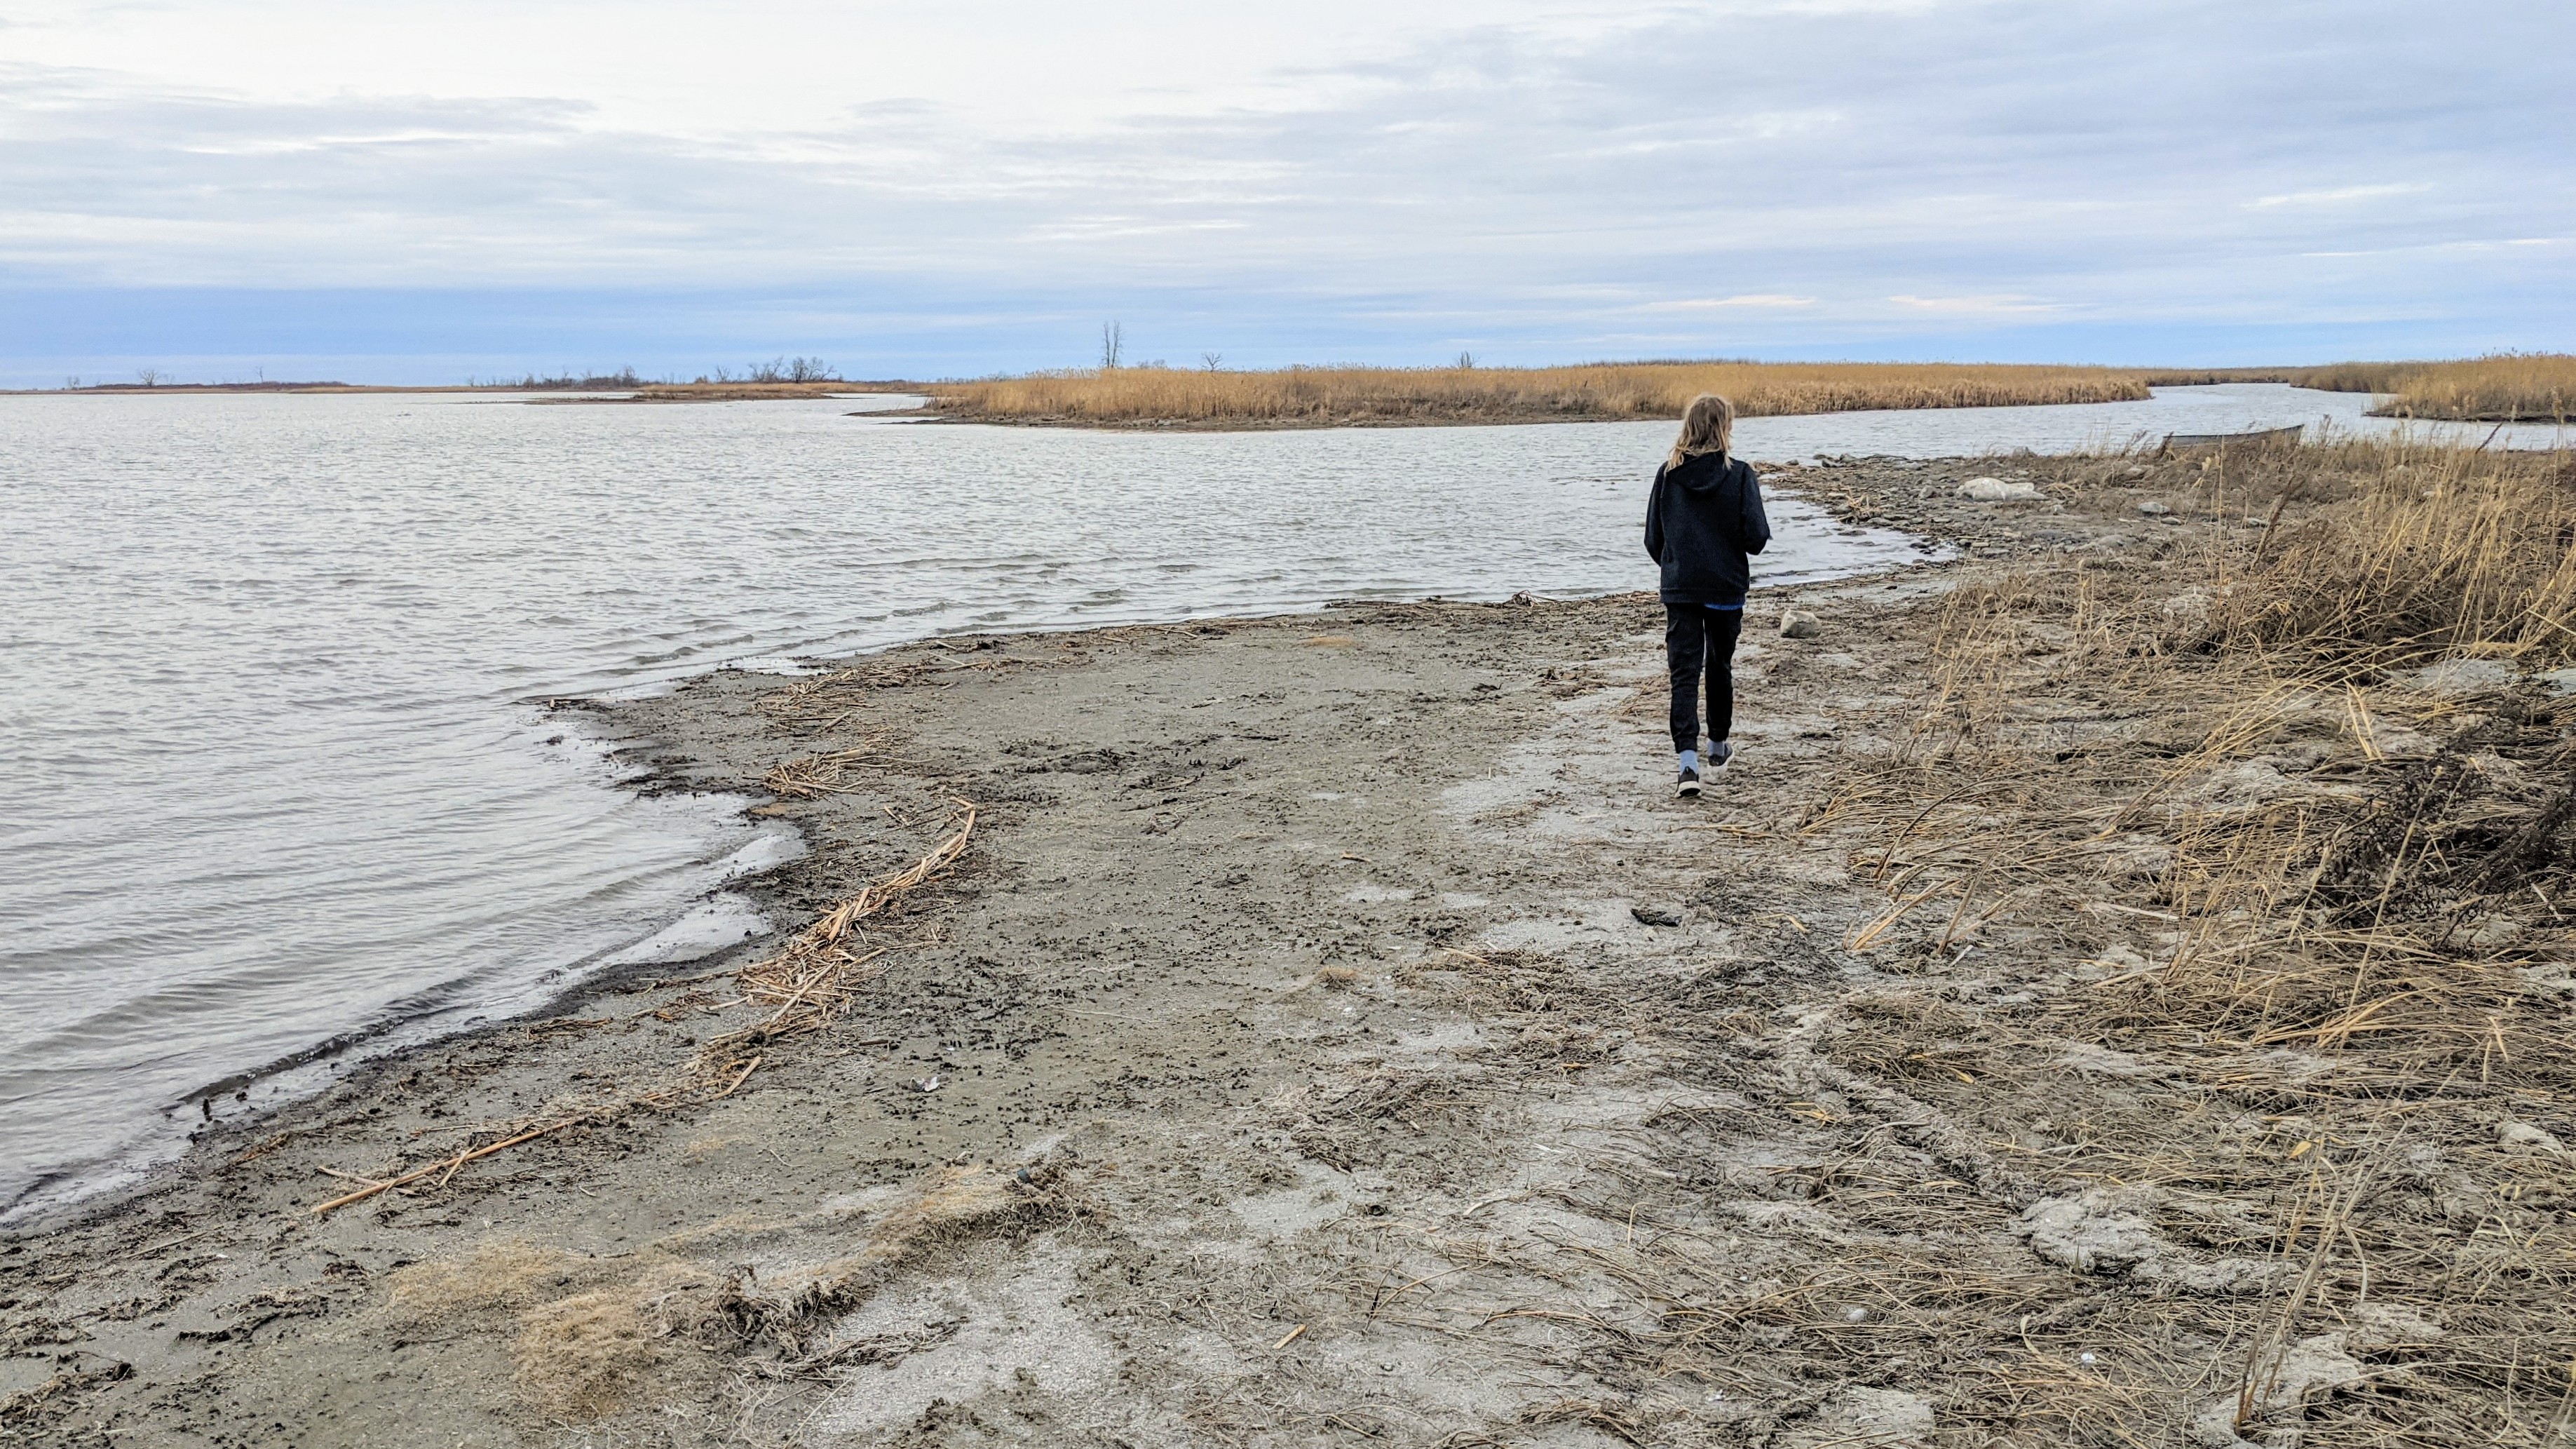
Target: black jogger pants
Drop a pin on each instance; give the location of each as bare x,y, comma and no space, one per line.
1696,637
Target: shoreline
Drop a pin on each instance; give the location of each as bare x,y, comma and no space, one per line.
1287,953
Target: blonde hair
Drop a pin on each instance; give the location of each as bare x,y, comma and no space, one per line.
1708,426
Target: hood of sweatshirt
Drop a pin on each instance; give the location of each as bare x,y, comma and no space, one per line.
1700,473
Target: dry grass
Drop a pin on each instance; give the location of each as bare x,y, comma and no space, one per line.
950,1206
2530,386
509,1273
2451,552
2324,908
584,1357
1320,396
810,982
588,1334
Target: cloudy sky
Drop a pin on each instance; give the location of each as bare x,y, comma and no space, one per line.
398,192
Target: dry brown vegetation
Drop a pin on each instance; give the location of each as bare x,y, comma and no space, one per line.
2527,386
1320,396
2352,1005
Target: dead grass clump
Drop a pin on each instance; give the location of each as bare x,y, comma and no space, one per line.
2453,552
509,1273
826,701
1913,1038
1335,395
953,1205
809,777
1366,1118
586,1356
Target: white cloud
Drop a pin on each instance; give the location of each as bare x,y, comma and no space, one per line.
1985,306
2341,194
1531,168
1765,300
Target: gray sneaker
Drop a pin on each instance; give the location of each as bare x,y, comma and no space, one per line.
1688,786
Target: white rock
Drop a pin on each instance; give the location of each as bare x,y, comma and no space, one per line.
2311,1368
2153,509
2526,1136
2464,676
1996,490
2096,1231
2495,932
1799,624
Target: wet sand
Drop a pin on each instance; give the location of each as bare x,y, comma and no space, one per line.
1333,1032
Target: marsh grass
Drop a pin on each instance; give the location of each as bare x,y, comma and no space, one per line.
2510,386
1317,396
2325,906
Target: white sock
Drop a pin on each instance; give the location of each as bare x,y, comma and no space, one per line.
1689,759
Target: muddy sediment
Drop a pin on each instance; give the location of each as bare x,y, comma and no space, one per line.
1333,1031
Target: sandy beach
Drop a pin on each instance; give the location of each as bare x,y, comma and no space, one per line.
1326,1028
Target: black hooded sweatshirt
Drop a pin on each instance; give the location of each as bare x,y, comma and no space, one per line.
1702,519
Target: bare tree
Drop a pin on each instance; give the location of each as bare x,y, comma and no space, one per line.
1212,361
148,376
1113,341
808,369
774,370
722,373
1466,360
71,384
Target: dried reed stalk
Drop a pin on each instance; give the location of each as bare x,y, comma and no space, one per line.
811,776
809,982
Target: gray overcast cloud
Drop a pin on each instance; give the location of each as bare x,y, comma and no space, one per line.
1611,179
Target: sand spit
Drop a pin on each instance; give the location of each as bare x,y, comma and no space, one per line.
1331,1032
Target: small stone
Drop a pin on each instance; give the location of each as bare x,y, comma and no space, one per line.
2153,509
1996,490
2527,1137
1799,624
1653,914
2465,676
2137,470
2495,932
2101,1230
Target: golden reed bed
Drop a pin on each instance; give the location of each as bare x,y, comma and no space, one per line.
1326,396
2511,386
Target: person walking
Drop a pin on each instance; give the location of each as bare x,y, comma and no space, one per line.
1704,519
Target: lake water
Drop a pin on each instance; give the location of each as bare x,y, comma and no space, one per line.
277,788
